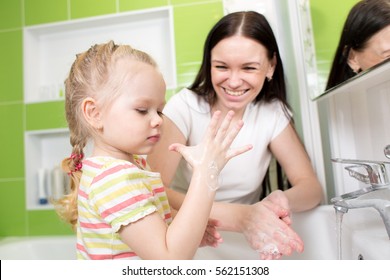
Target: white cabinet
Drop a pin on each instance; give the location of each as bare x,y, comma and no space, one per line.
50,49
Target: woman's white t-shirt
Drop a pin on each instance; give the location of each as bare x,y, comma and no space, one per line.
241,178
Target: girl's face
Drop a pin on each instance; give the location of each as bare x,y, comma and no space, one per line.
131,124
376,51
239,67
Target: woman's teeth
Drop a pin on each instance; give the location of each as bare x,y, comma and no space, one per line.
235,93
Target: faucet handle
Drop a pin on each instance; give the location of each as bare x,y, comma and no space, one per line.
377,173
386,151
357,175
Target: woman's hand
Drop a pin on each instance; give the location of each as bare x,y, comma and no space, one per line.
278,198
267,232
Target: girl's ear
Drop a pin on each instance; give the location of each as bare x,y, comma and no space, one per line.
353,61
91,113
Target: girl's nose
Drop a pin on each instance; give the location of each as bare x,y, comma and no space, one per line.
156,120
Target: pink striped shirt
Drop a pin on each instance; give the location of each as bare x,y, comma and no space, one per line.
115,193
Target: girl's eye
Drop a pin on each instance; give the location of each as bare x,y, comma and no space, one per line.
220,67
142,111
146,111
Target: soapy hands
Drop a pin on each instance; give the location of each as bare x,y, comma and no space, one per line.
267,228
212,154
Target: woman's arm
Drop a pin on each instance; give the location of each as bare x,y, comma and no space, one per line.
306,191
269,221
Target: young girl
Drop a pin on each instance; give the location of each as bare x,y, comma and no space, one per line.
115,96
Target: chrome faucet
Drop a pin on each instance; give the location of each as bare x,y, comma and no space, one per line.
376,195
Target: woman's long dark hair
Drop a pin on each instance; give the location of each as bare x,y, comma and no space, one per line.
364,20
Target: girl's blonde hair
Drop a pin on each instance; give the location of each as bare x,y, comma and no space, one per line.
89,76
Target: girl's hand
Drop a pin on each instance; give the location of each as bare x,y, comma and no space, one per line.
214,151
211,236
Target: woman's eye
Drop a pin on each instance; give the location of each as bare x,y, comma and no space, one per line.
249,68
220,67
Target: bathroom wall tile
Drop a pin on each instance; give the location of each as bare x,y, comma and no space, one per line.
90,8
46,222
45,11
130,5
11,66
179,2
192,23
12,145
13,216
46,115
10,14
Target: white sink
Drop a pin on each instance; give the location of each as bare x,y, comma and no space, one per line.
363,237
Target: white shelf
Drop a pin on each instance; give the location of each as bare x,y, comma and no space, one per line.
43,149
50,49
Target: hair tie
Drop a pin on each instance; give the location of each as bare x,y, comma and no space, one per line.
76,156
79,164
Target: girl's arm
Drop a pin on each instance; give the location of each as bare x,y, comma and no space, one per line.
150,237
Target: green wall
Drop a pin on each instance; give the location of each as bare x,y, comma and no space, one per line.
192,21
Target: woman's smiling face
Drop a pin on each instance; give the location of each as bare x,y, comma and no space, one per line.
239,67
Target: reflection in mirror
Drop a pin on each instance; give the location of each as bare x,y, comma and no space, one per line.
364,41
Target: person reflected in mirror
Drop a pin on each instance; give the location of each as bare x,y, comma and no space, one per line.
242,71
114,96
364,41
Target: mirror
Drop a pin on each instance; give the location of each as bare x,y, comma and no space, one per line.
356,79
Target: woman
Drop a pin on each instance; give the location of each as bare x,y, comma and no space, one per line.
364,41
242,71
